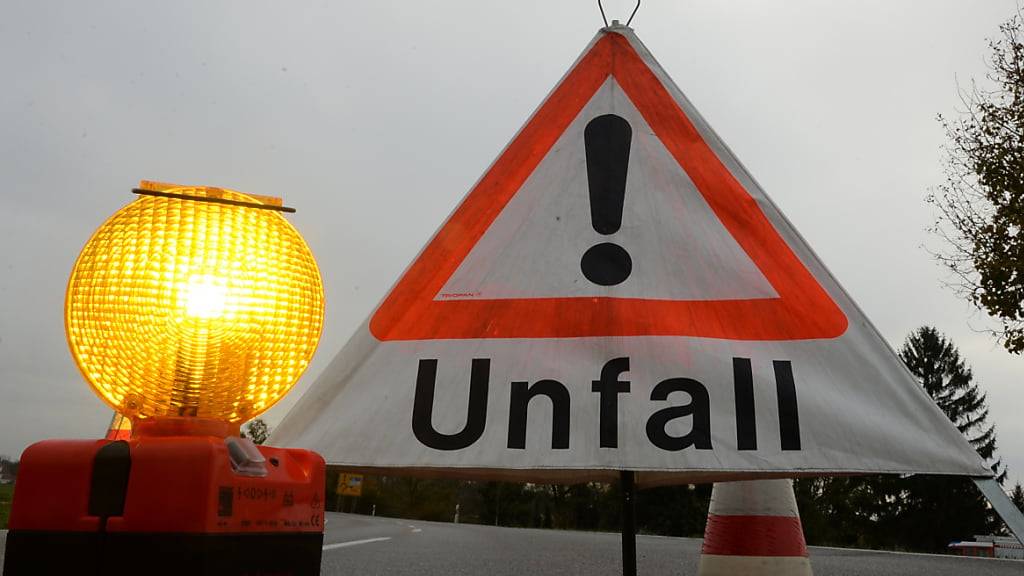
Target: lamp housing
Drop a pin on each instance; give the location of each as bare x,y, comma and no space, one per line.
190,311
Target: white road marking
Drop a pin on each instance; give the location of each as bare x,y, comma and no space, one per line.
417,530
354,543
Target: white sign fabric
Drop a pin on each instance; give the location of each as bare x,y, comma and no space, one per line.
617,293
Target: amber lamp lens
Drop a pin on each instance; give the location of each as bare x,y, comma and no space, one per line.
188,307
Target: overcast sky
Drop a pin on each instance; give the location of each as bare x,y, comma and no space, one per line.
375,118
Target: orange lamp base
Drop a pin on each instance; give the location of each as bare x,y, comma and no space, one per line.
164,504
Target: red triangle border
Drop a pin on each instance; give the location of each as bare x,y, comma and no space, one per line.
802,310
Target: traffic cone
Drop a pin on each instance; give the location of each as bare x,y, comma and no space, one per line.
754,529
120,427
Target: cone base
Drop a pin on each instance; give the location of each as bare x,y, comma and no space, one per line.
711,565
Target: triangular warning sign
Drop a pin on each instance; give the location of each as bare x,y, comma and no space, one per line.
617,293
611,177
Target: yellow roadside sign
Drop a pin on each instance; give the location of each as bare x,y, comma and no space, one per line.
350,485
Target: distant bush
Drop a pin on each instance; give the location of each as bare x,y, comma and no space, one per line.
6,494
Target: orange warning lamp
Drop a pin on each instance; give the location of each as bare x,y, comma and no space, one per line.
189,311
194,302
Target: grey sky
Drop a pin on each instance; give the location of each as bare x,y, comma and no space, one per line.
375,118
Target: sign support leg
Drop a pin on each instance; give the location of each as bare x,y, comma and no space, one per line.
627,484
1007,510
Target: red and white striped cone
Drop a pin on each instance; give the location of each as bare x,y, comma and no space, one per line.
120,427
754,529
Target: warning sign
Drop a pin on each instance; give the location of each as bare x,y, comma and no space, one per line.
617,292
349,485
609,215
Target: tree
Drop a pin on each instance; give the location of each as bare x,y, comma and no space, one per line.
256,430
1018,496
855,511
981,205
919,512
937,364
669,510
927,512
8,466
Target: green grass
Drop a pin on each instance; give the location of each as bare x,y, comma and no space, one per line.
6,493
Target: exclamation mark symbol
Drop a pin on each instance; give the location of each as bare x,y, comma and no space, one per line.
607,140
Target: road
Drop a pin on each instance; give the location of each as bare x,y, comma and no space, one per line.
428,548
388,546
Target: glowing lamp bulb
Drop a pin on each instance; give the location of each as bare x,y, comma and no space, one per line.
205,297
197,302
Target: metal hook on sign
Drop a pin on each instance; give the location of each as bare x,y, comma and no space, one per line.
605,18
635,8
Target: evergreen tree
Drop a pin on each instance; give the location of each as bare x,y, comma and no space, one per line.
1018,496
927,512
936,363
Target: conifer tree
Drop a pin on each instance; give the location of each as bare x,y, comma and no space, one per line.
928,512
1018,496
919,512
937,364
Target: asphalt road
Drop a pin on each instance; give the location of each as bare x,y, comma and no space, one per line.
399,547
368,546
